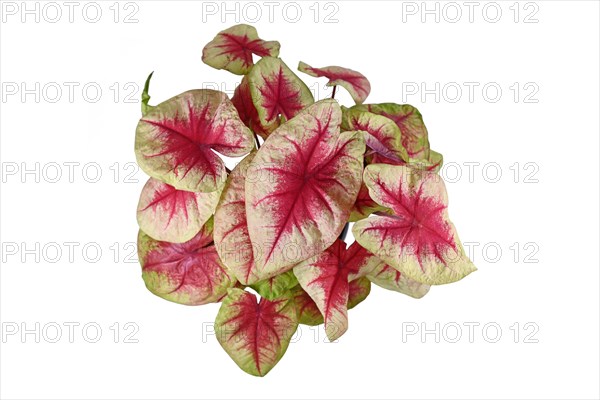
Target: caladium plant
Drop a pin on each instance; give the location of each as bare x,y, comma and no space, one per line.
276,223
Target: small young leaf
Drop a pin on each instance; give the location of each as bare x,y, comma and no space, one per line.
354,82
232,49
255,336
188,273
171,215
146,96
176,141
418,239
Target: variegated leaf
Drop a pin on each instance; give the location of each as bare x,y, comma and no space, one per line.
418,239
309,175
188,273
232,49
176,141
255,335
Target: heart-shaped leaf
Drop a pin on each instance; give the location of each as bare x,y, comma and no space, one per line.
277,93
188,273
410,121
176,141
326,277
255,335
167,214
354,82
418,239
232,49
308,177
390,278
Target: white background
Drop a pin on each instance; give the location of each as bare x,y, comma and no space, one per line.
555,217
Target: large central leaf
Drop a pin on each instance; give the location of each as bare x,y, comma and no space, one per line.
326,278
418,239
306,178
255,335
176,140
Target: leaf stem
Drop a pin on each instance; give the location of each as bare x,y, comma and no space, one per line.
333,93
257,141
344,231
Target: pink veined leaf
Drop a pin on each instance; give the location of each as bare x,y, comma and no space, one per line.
354,82
277,93
390,278
167,214
410,121
307,176
326,278
231,227
358,290
255,335
176,141
418,239
232,49
382,135
364,205
189,273
242,100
